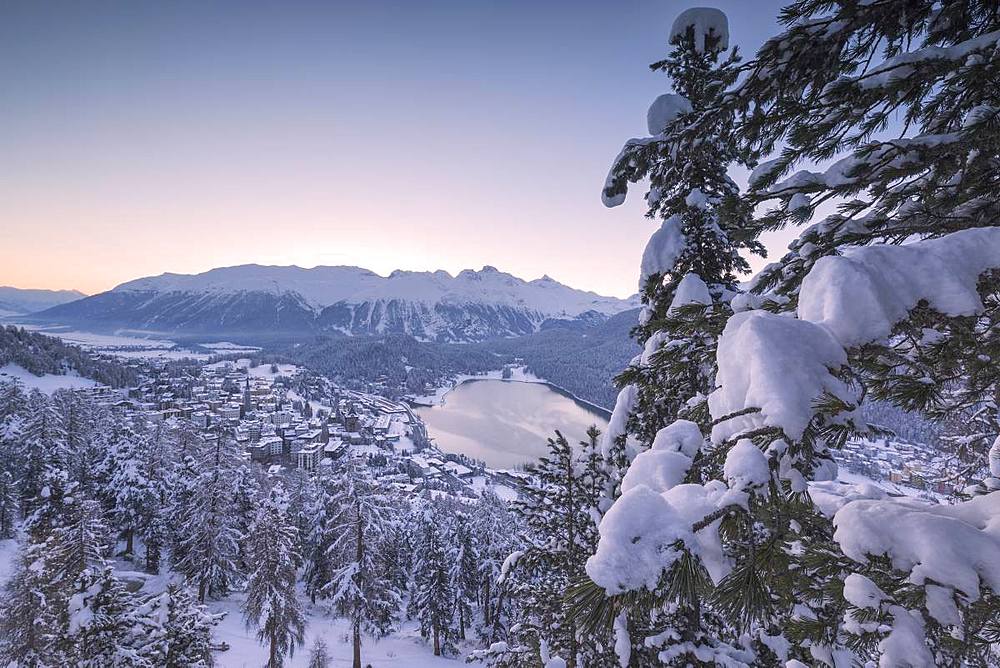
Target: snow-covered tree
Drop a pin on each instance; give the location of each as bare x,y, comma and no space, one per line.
692,263
179,630
464,569
41,441
24,615
554,513
496,537
432,596
272,607
897,103
209,547
892,297
319,655
8,505
64,539
103,627
359,526
131,493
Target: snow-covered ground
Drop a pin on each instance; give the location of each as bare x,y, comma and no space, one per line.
122,345
259,371
402,649
47,383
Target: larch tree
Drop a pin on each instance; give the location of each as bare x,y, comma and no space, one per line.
359,527
209,549
432,596
272,607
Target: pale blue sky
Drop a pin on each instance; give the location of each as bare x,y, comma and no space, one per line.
143,137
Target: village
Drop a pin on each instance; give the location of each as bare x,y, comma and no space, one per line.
922,469
285,417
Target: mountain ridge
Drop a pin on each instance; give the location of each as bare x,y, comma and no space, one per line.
266,299
20,301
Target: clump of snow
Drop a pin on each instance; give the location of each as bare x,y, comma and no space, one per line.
861,295
658,470
746,466
662,250
664,110
680,436
993,482
776,364
637,535
707,22
691,290
624,404
957,546
861,592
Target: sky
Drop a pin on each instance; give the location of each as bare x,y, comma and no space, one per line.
145,137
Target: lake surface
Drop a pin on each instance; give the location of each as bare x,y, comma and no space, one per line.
506,423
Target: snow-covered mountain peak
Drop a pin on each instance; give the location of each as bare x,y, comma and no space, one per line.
321,287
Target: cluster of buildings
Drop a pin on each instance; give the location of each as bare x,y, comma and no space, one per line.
286,417
912,465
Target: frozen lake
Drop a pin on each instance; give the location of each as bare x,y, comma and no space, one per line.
507,423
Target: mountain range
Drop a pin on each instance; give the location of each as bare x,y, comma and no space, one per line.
18,301
254,301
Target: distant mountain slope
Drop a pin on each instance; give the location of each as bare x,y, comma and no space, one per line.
265,301
580,358
18,301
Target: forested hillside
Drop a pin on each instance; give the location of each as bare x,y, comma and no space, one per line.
583,360
41,354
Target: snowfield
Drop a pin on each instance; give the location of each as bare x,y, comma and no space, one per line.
47,383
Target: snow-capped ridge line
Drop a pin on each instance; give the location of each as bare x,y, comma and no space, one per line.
323,286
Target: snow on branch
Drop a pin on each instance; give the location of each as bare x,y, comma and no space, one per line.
708,24
777,364
861,295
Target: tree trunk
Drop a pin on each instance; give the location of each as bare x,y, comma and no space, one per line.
129,541
357,644
461,623
437,641
274,661
487,608
202,589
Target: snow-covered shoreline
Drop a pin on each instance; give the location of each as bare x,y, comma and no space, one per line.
519,374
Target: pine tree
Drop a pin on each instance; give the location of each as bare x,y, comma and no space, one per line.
132,495
930,175
691,265
359,525
103,624
209,549
179,630
554,513
8,505
464,569
432,600
496,538
84,447
271,606
319,655
65,538
42,444
24,639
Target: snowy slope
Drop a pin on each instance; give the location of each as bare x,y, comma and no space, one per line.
47,383
254,299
